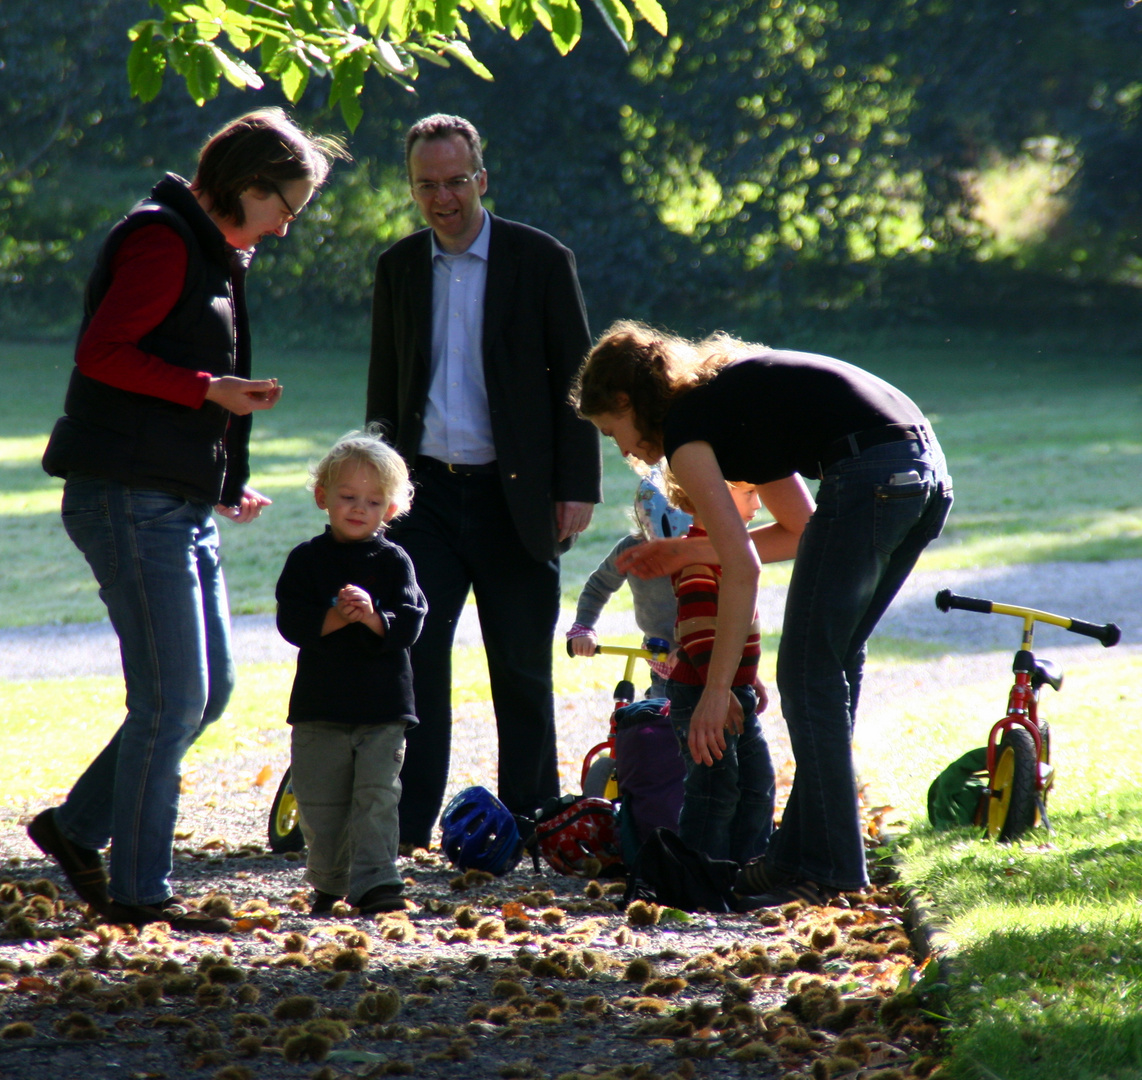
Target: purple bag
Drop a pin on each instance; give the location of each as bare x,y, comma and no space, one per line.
650,768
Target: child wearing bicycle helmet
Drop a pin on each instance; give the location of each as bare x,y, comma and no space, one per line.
350,602
727,806
654,605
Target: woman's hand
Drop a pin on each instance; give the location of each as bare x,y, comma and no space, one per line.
250,507
712,717
656,558
243,396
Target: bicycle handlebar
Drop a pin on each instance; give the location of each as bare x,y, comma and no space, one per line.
1107,633
622,650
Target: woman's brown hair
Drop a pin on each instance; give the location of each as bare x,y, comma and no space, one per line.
261,149
637,367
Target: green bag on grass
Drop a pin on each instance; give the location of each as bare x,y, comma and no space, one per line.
958,796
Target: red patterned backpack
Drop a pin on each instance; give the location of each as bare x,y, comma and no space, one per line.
578,835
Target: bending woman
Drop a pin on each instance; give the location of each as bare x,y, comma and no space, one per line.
155,434
723,410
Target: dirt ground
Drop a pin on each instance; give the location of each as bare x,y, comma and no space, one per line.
530,975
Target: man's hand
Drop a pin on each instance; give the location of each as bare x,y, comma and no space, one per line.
572,518
243,396
250,507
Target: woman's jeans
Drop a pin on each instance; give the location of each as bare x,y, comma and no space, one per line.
155,557
727,807
875,514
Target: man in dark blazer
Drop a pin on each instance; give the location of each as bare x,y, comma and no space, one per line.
478,330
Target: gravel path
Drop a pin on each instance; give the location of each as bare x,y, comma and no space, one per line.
526,976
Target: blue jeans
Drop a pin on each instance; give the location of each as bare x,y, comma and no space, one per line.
155,557
727,807
857,550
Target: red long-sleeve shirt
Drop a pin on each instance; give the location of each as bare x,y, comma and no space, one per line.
696,588
148,273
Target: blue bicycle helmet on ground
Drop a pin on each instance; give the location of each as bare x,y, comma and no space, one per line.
657,519
479,833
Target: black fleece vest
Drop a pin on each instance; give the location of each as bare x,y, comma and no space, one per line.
145,441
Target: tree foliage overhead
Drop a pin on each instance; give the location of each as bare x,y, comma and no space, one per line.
288,41
762,160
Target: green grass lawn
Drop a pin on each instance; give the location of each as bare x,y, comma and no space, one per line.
1044,443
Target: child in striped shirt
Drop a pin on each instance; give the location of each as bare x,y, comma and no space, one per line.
727,809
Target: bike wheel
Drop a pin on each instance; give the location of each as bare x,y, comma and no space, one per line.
285,831
1011,810
602,781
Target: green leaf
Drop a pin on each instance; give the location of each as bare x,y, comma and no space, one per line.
373,14
489,11
616,16
461,52
145,65
398,19
445,17
209,70
651,11
348,79
237,72
294,76
391,60
565,24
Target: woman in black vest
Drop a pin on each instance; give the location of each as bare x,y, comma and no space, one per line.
153,439
723,410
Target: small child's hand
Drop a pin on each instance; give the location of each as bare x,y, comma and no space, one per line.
354,604
583,644
762,696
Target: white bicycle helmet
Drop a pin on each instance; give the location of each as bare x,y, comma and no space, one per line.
657,519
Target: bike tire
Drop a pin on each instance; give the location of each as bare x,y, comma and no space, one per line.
285,828
602,780
1011,808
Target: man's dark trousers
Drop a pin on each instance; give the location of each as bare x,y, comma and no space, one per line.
460,537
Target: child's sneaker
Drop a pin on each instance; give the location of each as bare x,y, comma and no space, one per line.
323,903
382,898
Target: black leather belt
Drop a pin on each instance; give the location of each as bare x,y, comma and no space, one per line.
431,464
855,444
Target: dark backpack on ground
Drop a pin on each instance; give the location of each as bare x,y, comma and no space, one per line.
959,795
650,771
679,877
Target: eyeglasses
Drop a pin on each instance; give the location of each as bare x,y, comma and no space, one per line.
427,188
291,214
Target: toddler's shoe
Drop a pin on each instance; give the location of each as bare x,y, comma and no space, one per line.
380,899
323,902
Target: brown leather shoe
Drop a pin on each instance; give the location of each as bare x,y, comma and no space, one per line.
173,910
83,867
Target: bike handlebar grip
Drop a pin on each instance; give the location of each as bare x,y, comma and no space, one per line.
946,600
1109,634
571,651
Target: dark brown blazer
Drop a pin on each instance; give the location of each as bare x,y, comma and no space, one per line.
535,338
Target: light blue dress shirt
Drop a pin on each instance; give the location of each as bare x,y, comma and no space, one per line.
457,422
